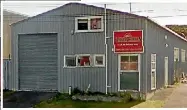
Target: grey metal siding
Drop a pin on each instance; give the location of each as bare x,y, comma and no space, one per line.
37,58
156,44
122,22
62,21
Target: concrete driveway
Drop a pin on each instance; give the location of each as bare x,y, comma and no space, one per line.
26,99
178,98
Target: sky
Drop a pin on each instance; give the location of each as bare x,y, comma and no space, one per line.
163,13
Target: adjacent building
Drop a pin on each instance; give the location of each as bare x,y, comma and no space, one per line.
76,45
9,17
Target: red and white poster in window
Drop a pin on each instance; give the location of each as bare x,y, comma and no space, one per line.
128,41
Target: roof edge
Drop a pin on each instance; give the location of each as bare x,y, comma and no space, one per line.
138,16
13,12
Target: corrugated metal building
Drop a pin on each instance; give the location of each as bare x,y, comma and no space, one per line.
62,48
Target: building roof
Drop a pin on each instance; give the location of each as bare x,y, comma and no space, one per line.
8,12
117,11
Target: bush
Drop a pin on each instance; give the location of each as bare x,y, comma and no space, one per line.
77,91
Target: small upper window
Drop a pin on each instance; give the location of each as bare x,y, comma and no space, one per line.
82,24
89,24
99,60
95,23
84,60
70,61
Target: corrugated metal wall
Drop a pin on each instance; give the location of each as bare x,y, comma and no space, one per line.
156,44
62,21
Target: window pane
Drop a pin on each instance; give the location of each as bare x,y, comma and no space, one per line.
95,23
99,60
125,66
124,58
153,57
133,58
84,61
153,66
82,24
70,61
133,66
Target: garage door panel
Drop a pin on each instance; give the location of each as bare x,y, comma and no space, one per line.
37,62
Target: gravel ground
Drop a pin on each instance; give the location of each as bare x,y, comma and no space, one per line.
178,99
159,98
26,99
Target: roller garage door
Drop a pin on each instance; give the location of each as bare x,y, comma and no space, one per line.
37,62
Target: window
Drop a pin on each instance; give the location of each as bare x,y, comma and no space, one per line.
153,71
129,63
153,61
176,54
183,55
99,60
70,61
95,23
82,24
89,24
83,60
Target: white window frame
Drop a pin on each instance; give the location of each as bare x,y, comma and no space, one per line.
183,55
79,55
129,55
153,62
176,51
94,58
89,20
65,66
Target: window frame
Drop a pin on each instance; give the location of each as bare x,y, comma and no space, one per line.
177,54
153,55
94,58
183,55
129,62
65,66
89,24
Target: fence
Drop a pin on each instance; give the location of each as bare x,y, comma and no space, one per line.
6,73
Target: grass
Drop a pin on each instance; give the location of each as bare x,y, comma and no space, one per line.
64,101
7,93
68,103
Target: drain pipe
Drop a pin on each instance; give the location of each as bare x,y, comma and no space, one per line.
106,55
146,59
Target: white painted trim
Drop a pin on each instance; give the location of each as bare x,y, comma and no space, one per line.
166,83
178,56
119,70
94,60
153,88
183,55
89,19
139,69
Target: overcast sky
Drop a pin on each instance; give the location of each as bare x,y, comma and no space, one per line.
157,11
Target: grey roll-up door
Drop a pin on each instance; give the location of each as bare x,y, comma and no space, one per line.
37,60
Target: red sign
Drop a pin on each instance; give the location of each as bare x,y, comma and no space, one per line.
128,41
